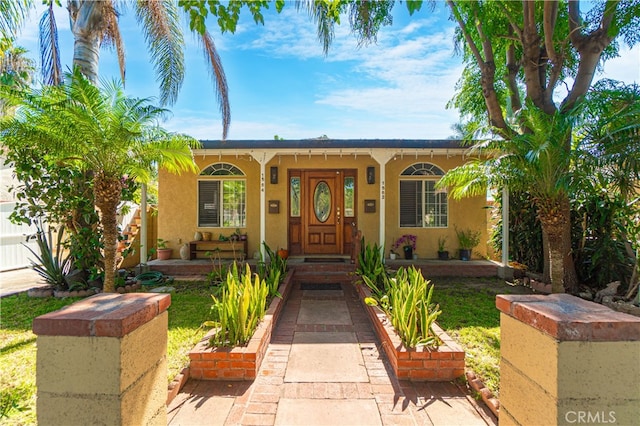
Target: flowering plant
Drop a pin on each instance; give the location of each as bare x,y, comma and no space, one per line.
406,240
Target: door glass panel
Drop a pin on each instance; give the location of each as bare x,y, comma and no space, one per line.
349,196
322,201
294,196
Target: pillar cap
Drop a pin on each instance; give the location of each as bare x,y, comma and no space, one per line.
103,315
569,318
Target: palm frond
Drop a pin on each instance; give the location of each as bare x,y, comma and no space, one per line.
219,80
112,37
161,27
13,13
470,179
324,16
49,49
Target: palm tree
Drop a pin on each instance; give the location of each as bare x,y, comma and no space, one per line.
102,131
12,15
15,67
536,162
94,23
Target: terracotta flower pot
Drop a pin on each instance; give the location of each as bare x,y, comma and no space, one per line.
164,254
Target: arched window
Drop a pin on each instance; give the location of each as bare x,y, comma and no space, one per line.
222,197
421,204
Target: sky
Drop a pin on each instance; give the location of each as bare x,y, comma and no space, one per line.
281,83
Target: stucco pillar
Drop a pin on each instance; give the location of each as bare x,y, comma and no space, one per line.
263,157
565,360
505,271
103,360
143,225
382,157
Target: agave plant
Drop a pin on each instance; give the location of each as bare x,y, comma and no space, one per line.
239,308
50,263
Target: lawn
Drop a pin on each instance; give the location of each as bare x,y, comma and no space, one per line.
469,315
189,309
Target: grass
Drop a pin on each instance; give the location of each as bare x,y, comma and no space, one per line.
470,316
190,306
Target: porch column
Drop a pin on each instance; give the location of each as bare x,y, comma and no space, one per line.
505,271
382,157
263,158
143,225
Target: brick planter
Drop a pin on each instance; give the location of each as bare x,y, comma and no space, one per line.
442,364
239,362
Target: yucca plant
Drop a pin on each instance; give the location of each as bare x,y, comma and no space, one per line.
407,303
273,272
239,308
371,267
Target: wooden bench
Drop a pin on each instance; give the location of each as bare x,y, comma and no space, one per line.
236,250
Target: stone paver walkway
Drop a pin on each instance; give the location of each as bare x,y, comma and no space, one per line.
324,367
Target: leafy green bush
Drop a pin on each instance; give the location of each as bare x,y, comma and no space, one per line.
371,267
406,300
273,272
239,309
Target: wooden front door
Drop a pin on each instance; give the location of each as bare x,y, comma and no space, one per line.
323,213
326,216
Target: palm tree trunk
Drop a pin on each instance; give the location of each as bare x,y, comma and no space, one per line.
86,22
546,268
554,219
570,275
107,191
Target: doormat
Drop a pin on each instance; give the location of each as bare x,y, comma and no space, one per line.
320,286
323,260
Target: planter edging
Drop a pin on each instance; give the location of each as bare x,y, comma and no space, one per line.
443,364
239,362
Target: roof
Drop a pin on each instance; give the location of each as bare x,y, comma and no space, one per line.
335,144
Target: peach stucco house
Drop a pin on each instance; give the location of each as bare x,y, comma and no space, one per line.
309,195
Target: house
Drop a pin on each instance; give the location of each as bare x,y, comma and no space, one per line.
310,195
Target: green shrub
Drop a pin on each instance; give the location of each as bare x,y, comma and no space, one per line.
239,308
371,267
273,272
406,300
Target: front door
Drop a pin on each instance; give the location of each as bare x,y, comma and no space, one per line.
327,215
323,213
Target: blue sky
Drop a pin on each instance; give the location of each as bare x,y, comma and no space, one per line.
280,83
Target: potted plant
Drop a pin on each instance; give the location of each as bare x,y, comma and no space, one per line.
392,254
468,240
408,244
443,254
164,251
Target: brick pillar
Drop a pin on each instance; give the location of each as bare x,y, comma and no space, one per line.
103,360
567,361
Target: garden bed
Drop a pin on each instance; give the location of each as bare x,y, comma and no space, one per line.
239,362
442,364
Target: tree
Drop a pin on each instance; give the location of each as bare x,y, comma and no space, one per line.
15,67
519,57
104,133
94,23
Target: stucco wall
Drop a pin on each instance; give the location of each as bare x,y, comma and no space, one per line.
177,206
178,203
466,213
